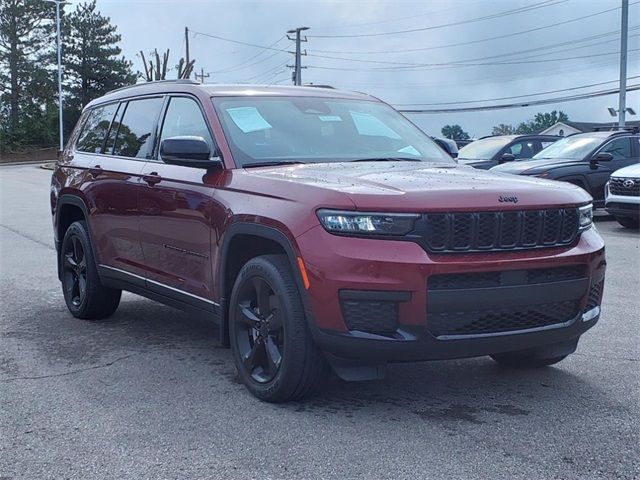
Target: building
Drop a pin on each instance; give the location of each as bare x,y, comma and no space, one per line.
568,128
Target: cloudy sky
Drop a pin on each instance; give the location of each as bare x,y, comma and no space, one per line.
405,52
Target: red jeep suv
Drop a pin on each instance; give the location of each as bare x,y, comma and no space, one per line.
320,230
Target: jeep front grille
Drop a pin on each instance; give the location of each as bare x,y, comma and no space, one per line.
509,230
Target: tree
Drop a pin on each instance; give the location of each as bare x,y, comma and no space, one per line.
503,129
454,132
93,61
27,107
159,70
539,122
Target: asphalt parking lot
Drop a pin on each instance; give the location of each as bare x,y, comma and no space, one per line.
150,394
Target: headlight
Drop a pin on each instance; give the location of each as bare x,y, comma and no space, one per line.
585,216
359,223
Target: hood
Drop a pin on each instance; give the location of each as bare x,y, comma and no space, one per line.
630,171
412,186
537,164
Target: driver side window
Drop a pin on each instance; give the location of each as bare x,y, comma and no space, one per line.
522,149
620,148
184,118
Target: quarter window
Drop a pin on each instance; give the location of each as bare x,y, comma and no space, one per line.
184,118
95,129
135,135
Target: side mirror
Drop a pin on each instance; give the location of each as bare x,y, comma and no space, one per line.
450,148
188,151
507,157
602,157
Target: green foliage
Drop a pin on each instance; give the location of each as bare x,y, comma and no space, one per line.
503,129
93,65
92,58
27,101
539,122
454,132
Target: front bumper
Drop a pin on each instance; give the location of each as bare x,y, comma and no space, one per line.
621,205
339,264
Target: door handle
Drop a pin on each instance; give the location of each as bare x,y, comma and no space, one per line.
152,178
95,171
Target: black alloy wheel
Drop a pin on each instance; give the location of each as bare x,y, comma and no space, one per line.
272,346
260,332
85,295
74,265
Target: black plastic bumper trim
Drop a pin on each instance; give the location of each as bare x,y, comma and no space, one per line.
375,295
509,296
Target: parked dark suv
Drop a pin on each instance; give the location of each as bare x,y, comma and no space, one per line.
318,229
490,151
584,159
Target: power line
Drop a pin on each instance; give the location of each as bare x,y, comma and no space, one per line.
535,6
448,64
539,72
457,62
242,65
514,96
239,42
481,40
408,17
266,72
546,101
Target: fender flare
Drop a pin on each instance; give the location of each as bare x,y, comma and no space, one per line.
269,233
76,201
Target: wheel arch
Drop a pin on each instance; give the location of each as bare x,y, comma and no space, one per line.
242,242
70,208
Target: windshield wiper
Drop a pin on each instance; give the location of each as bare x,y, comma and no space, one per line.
272,164
387,159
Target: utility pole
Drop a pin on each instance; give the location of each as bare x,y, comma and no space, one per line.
202,75
59,48
624,31
296,76
186,45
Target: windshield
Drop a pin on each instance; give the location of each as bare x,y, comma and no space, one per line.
577,148
483,149
315,130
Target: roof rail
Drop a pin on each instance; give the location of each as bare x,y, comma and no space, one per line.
626,129
183,81
319,86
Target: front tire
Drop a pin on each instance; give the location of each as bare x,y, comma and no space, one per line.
271,344
628,222
84,294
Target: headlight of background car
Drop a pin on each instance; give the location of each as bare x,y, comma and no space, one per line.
585,216
362,223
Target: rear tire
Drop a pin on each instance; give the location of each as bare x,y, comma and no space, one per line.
628,222
271,344
84,294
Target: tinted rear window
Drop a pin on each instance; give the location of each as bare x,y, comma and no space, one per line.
95,129
135,135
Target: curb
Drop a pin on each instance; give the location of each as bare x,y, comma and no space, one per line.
34,162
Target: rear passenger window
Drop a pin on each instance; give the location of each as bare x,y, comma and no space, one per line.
184,117
135,135
95,129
